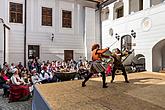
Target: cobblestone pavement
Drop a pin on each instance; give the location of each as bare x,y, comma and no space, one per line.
4,105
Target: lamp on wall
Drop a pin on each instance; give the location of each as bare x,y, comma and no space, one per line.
1,20
117,36
52,37
133,33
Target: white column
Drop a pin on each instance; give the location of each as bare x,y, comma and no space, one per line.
111,11
126,7
146,4
148,60
89,38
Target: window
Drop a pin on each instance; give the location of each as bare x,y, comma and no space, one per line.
66,19
156,2
140,4
118,9
135,6
33,51
119,12
126,42
46,16
16,13
105,13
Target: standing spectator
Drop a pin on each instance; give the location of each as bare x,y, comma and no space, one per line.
34,65
29,64
38,64
20,65
5,67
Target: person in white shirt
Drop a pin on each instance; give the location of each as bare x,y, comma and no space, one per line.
45,76
18,87
15,79
12,67
35,77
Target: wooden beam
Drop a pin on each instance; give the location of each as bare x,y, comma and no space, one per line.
93,1
105,3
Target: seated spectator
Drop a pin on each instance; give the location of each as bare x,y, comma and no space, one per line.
24,70
16,79
19,90
62,69
26,78
45,76
35,77
4,83
11,67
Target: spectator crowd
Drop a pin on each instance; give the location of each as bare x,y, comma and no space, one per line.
17,81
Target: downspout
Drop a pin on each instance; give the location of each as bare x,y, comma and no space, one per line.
4,55
100,22
25,33
4,27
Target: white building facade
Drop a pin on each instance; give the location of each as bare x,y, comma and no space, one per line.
73,28
146,18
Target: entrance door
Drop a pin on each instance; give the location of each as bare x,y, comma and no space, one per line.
68,55
33,51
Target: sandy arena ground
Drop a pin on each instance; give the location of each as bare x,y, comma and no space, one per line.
146,91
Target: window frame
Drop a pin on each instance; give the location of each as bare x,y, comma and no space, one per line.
48,14
126,42
18,11
66,19
118,12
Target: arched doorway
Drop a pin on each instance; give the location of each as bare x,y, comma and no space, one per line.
158,56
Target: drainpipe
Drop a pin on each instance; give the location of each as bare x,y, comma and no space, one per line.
4,32
25,34
4,55
100,22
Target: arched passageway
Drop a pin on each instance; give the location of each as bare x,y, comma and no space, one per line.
158,56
